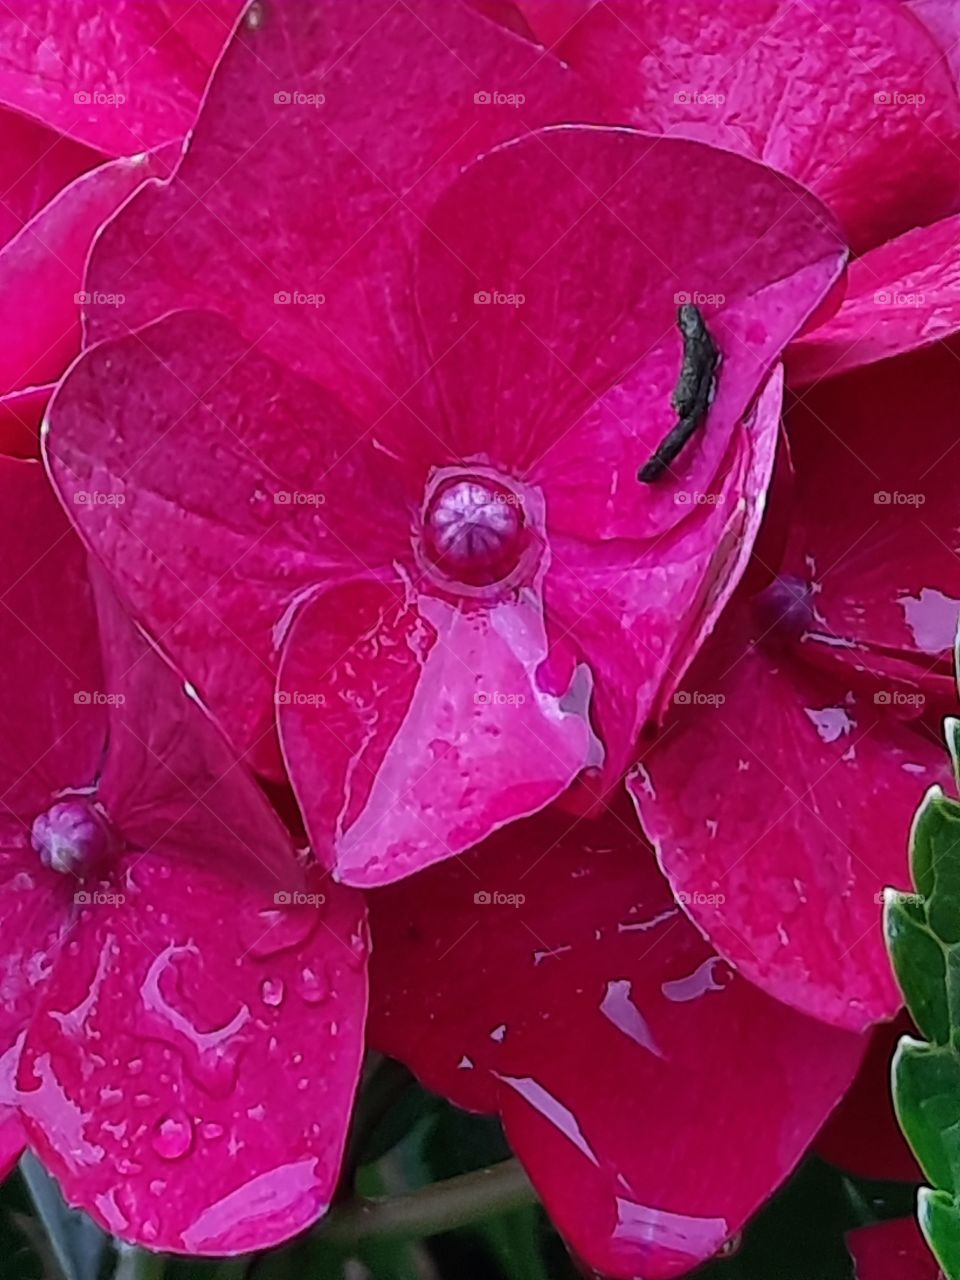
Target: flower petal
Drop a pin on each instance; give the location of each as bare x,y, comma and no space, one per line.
411,730
35,164
826,91
877,529
21,413
189,1074
124,79
52,728
170,782
46,260
639,611
198,451
863,1136
893,1251
780,801
554,339
553,964
901,296
225,235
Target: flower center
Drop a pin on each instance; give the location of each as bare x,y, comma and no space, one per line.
474,529
73,836
784,609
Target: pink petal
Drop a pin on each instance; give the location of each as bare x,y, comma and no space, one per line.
46,260
552,966
35,164
877,527
413,730
189,1075
893,1251
12,1140
123,79
51,725
227,487
21,413
900,297
638,612
942,21
170,782
225,234
863,1136
779,801
553,340
826,91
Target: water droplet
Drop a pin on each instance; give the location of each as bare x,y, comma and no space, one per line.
211,1131
312,985
173,1136
272,992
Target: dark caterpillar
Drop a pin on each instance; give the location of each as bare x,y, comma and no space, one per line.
693,394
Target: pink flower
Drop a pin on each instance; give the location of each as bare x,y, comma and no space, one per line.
856,99
384,488
892,1250
79,86
180,1035
654,1096
807,730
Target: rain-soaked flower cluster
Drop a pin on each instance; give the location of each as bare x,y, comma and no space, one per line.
587,784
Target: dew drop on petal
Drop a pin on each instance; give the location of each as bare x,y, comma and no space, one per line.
173,1136
272,991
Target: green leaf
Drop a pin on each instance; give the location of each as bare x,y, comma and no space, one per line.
923,938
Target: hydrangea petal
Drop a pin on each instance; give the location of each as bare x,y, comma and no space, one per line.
893,1251
554,339
877,529
553,963
774,775
47,260
863,1136
123,79
639,612
170,782
225,487
21,413
284,109
901,296
189,1074
763,76
413,730
49,641
35,164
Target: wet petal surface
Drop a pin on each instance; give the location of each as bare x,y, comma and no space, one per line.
537,974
